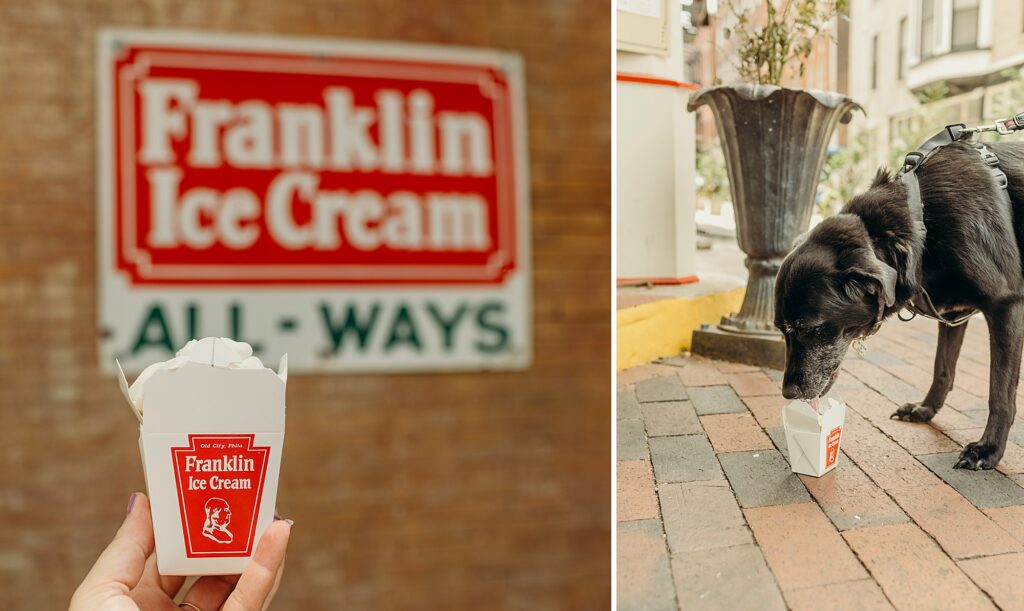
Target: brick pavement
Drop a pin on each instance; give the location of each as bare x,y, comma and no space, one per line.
711,517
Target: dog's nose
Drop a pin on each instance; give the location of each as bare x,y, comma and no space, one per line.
790,390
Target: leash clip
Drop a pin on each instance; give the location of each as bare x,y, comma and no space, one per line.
1002,126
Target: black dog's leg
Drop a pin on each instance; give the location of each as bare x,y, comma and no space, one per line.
946,354
1006,335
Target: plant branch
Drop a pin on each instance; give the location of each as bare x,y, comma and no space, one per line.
784,41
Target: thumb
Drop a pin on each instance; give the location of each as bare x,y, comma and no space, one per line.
120,566
258,582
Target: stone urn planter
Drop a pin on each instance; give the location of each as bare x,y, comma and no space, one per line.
775,140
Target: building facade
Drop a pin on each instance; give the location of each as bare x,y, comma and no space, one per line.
956,55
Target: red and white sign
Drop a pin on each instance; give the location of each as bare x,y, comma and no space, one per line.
219,484
238,163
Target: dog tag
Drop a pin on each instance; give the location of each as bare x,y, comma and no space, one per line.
858,345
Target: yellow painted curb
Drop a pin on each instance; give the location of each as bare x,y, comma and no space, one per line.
665,327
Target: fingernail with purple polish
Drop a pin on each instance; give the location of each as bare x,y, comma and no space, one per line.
290,522
131,502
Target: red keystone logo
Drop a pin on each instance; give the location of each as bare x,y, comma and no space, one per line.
832,446
219,481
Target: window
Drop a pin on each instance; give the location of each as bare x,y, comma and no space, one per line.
927,28
874,62
902,59
965,24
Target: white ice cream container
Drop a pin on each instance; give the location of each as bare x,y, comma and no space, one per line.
211,432
814,438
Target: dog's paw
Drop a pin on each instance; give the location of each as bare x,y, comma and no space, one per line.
979,456
913,412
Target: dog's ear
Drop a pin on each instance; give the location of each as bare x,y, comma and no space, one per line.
877,277
798,240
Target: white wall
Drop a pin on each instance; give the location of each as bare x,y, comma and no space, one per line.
869,18
655,155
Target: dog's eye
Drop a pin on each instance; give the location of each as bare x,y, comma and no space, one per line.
817,332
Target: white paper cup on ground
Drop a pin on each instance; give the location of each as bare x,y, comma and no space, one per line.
814,438
211,432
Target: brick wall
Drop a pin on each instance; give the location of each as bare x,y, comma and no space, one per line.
415,491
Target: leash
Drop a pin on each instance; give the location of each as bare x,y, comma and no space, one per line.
957,132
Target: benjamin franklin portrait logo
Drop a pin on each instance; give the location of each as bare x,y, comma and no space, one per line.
218,516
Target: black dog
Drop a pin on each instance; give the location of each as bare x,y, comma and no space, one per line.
854,269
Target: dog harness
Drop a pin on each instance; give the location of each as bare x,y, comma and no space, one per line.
957,132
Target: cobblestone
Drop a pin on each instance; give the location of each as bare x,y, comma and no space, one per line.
716,400
893,526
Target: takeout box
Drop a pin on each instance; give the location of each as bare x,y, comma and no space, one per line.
814,439
211,432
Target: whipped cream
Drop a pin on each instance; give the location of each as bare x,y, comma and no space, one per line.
213,351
